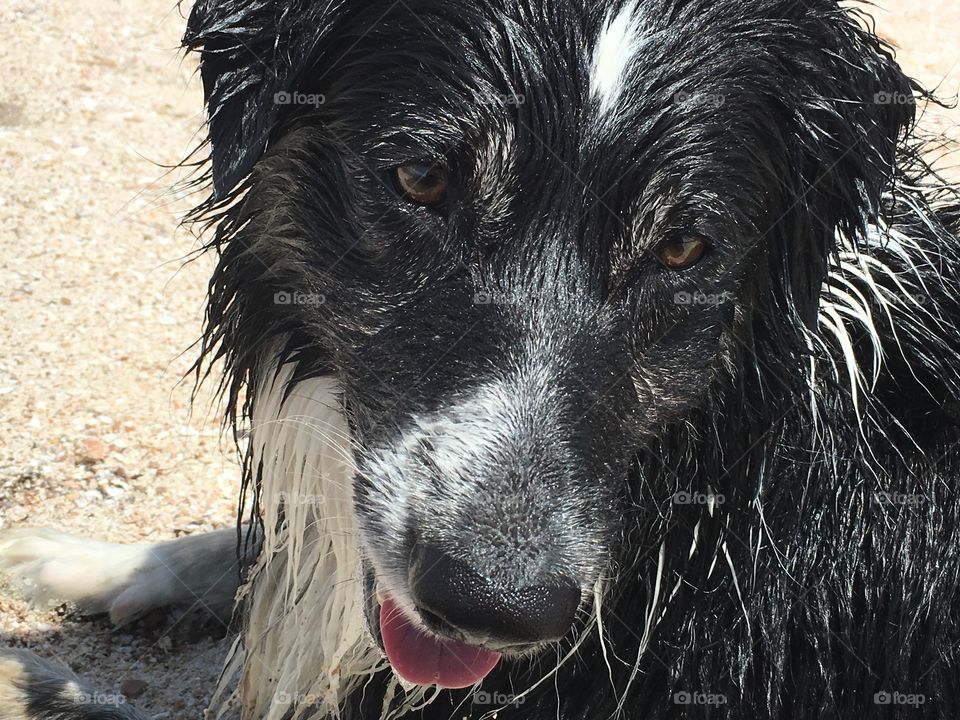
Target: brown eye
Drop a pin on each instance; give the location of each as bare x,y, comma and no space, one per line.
423,183
683,253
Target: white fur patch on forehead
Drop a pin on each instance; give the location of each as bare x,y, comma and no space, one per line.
621,36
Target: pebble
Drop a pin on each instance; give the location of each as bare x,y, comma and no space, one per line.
92,451
132,687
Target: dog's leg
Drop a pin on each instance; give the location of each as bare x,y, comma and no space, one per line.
126,581
35,689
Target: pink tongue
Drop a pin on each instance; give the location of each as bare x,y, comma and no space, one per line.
426,659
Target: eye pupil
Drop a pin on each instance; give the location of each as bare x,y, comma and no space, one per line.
684,253
422,183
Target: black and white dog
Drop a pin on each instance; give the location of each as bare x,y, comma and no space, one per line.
589,359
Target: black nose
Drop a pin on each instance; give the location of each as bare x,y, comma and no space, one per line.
451,595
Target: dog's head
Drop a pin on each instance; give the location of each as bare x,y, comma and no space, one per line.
527,238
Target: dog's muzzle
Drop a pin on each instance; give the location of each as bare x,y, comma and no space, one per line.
463,622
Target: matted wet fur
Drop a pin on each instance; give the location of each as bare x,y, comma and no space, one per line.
748,465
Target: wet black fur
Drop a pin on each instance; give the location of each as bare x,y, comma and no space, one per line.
806,595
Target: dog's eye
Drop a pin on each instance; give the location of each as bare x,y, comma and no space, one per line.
683,253
423,183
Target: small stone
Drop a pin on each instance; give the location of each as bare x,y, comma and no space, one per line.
92,451
132,687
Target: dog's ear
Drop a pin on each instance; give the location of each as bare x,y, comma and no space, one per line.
252,53
852,108
856,114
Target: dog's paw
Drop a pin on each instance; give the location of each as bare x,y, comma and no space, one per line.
124,581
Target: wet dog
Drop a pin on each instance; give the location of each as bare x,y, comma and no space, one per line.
587,359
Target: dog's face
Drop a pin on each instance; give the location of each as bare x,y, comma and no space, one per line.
527,238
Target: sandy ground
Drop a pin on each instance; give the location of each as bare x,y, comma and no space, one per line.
99,313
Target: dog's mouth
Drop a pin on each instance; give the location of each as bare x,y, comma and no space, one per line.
417,655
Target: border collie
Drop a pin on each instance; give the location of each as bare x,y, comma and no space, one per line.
587,359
